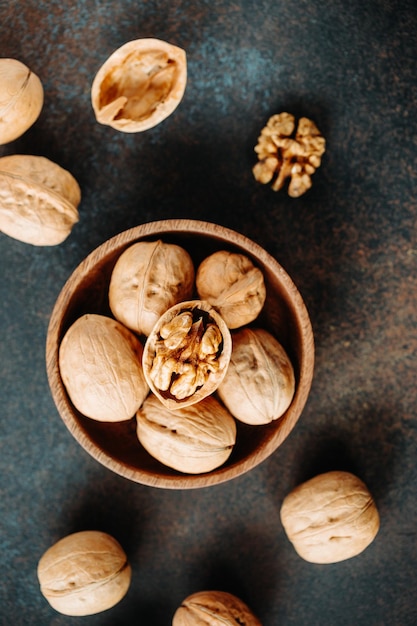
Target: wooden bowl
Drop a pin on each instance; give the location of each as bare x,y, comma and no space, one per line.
115,445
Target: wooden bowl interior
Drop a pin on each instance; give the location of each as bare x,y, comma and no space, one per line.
284,315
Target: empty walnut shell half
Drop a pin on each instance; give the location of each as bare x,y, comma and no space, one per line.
193,439
214,608
139,85
38,200
149,277
21,99
84,573
186,356
100,366
233,286
330,518
259,383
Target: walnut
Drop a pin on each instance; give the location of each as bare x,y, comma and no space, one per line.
330,518
21,99
84,573
282,155
214,608
232,284
149,277
38,200
187,353
192,439
259,383
100,365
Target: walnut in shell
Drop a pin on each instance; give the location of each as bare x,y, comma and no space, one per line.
139,85
84,573
100,363
330,518
193,439
38,200
214,608
285,156
149,277
259,384
186,356
21,99
231,283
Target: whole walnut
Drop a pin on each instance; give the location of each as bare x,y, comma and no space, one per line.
148,278
38,200
330,518
194,439
84,573
231,283
259,384
214,608
101,367
21,99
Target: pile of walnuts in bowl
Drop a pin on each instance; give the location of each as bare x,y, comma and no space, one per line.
182,353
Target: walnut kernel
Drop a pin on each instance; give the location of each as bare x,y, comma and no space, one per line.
282,155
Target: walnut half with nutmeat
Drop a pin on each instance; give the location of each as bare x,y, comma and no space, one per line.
330,518
186,356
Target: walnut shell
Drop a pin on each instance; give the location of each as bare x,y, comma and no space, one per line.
231,283
330,518
21,99
84,573
214,608
139,85
259,384
194,439
186,356
149,277
38,200
100,366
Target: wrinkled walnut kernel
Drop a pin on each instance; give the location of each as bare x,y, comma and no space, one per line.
283,156
187,354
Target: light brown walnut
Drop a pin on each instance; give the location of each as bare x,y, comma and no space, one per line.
100,363
330,518
149,277
284,155
38,200
259,384
214,608
84,573
194,439
232,284
21,99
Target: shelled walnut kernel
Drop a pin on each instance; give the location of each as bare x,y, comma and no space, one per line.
282,155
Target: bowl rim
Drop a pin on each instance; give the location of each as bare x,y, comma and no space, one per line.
298,311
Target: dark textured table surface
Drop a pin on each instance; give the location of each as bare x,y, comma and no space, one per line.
349,244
